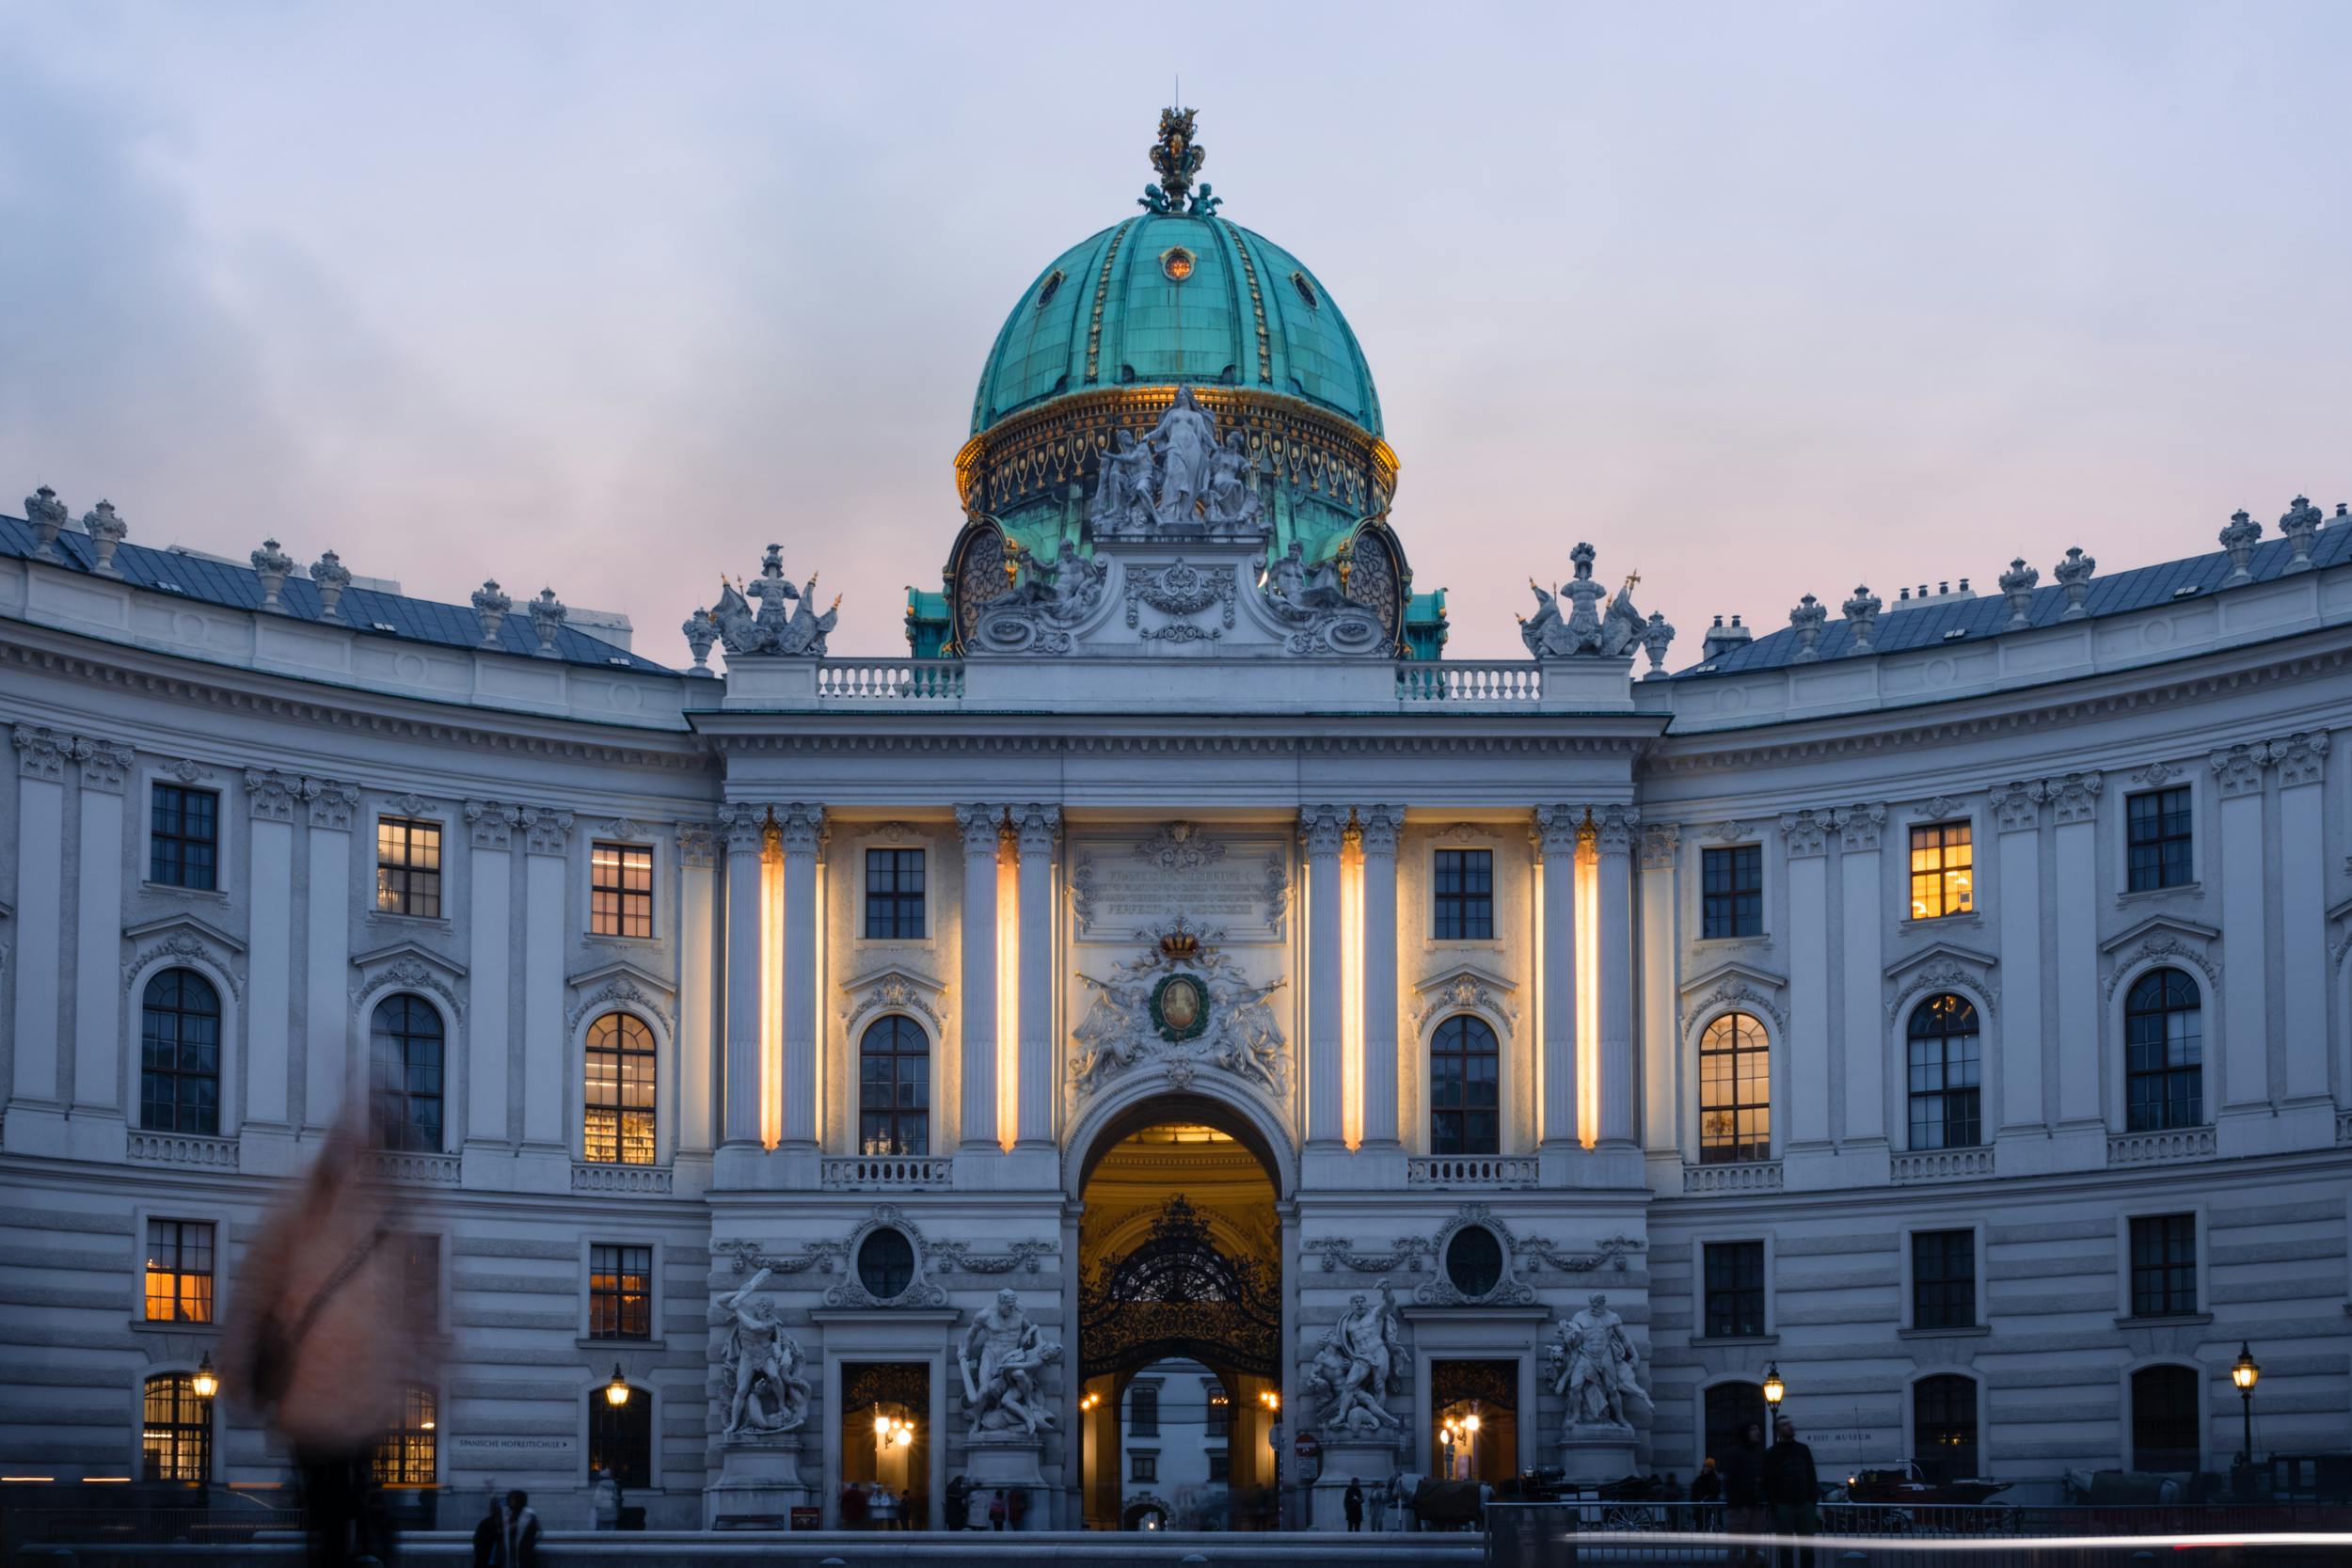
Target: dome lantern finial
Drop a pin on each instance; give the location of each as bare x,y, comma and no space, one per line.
1177,157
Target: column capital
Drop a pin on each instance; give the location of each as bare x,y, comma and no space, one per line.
1661,843
1039,826
1322,829
271,796
1614,828
1806,832
2301,758
1376,827
1860,825
800,827
697,846
41,752
104,764
2238,769
332,802
546,829
2016,806
982,826
744,826
1557,829
493,823
2075,795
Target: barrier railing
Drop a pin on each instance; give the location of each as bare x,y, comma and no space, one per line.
2153,1149
889,680
1470,1170
1470,681
876,1172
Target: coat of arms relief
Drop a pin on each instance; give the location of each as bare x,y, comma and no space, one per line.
1182,1003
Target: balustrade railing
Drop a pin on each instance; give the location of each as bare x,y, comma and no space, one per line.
429,1170
1751,1175
1943,1165
858,1173
1469,681
2157,1148
588,1177
1470,1170
890,680
182,1149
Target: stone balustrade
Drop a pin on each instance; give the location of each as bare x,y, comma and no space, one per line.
1470,1170
1456,682
598,1177
1942,1165
182,1149
1751,1175
869,1173
416,1170
2159,1148
890,680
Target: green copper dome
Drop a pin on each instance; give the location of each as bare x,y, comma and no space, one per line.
1166,298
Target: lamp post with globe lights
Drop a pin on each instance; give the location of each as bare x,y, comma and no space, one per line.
1774,1392
2245,1371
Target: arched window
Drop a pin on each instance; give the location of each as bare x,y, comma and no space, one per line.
1731,1408
621,1061
407,1047
1464,1088
180,1054
2164,1044
1947,1066
1735,1091
621,1436
2164,1419
176,1431
1944,1426
408,1455
894,1097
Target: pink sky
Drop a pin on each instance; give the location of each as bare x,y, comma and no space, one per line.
1762,301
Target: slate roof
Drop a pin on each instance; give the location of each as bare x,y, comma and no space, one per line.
362,610
1901,626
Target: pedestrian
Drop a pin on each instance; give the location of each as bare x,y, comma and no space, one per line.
1016,1504
959,1502
488,1534
1708,1486
1743,1496
519,1532
996,1509
1353,1505
856,1506
1794,1489
604,1500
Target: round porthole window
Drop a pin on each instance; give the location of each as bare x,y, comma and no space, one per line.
1473,1260
885,1264
1177,263
1306,290
1047,290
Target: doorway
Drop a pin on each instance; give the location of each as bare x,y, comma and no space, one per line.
1474,1432
885,1445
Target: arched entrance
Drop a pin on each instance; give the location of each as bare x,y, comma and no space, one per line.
1179,1320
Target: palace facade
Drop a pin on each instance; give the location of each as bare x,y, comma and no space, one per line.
1942,1000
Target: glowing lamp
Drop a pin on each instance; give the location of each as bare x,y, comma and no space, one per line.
903,1433
207,1384
1774,1388
881,1427
2244,1370
1469,1423
616,1391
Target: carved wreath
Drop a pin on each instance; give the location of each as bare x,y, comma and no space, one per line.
1180,589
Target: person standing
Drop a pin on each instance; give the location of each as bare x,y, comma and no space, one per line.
489,1535
1744,1495
604,1500
1794,1488
1352,1504
519,1543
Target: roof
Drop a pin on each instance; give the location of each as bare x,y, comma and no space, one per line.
366,611
1900,627
1112,310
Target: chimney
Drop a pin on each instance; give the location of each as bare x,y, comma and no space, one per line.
1722,639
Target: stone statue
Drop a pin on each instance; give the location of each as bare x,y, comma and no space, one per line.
1036,613
1122,489
1292,587
1233,496
1356,1365
1598,1371
1000,1394
1186,440
1534,629
1587,629
764,1366
772,628
1315,603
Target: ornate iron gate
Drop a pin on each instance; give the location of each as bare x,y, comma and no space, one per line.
1175,1294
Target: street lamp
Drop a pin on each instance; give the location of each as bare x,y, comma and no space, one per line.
616,1391
204,1384
1774,1392
2244,1372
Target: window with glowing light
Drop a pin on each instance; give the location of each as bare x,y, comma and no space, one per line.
621,1062
620,890
1943,871
1465,1087
1944,1426
180,1054
1946,1109
175,1430
2164,1046
408,867
620,1293
409,1453
1735,1091
894,1096
178,1272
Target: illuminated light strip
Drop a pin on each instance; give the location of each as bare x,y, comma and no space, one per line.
1706,1542
770,993
1352,993
28,1478
1007,999
1587,991
1102,289
106,1480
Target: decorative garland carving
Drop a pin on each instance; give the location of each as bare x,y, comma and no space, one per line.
408,972
1947,974
2169,949
187,946
1521,1255
622,994
1465,989
1735,995
959,1257
819,1255
896,990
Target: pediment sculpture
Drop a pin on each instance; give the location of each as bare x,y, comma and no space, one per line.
1036,612
1183,1001
795,632
1179,478
1587,630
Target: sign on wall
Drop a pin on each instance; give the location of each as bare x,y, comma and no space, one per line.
1237,884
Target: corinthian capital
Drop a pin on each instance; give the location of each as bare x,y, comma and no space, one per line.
104,764
801,828
1038,826
1614,828
2301,757
982,826
746,827
1557,829
40,752
1377,828
1322,829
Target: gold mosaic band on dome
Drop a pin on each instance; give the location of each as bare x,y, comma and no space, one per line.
1257,301
1102,290
1041,450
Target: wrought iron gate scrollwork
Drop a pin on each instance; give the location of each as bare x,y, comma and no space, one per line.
1176,1294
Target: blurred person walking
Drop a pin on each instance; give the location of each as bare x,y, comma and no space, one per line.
1794,1487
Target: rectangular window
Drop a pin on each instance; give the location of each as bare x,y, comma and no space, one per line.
893,894
1731,896
178,1272
620,1293
408,867
183,837
1466,894
1221,1413
620,890
1944,1279
1734,1290
1143,1466
1943,871
2157,836
1220,1467
2164,1266
1143,1412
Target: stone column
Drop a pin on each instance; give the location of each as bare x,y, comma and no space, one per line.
490,892
1806,834
1322,830
1660,1049
1378,829
1613,829
698,967
745,828
2301,761
1038,828
98,930
2245,1076
2076,799
1863,1065
2017,817
40,755
802,830
548,925
270,799
982,827
1556,832
327,1025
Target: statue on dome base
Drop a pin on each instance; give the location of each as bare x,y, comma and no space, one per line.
1123,491
773,629
1186,441
1036,613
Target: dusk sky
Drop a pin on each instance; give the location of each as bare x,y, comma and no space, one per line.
1761,300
